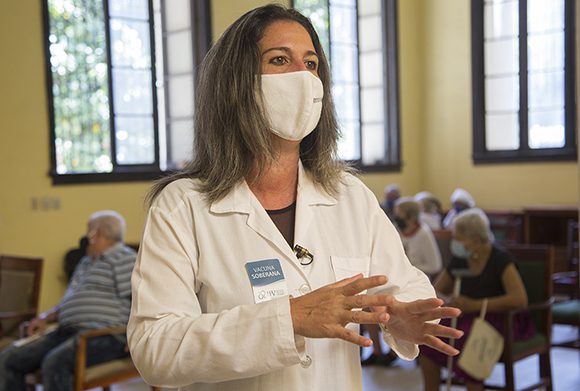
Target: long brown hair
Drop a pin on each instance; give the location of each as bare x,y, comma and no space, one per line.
230,130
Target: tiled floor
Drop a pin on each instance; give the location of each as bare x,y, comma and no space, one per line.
406,376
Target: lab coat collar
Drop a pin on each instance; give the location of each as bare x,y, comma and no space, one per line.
239,200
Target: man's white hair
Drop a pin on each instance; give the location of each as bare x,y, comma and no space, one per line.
110,223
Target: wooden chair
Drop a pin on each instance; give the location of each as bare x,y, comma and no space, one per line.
566,282
535,265
97,376
19,292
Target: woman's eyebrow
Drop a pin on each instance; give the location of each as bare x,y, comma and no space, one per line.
287,50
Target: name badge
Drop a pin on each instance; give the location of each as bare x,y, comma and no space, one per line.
267,279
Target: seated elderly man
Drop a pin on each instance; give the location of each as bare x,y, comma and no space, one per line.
98,295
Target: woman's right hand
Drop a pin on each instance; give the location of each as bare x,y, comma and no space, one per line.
325,312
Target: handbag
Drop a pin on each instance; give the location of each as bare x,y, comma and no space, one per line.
482,349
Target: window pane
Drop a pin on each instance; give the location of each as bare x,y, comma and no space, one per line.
177,15
78,68
371,69
346,101
349,143
546,89
135,140
343,26
179,52
372,105
181,142
132,91
345,69
546,51
134,9
546,129
502,94
181,96
350,3
370,34
545,15
373,139
501,57
502,132
130,44
369,7
501,19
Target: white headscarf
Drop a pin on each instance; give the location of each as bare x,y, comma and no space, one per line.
423,195
462,195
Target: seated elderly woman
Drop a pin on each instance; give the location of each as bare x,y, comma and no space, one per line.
430,209
487,273
460,200
418,240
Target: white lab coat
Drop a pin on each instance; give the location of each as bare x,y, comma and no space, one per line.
193,317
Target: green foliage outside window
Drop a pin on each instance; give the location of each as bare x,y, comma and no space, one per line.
317,11
78,65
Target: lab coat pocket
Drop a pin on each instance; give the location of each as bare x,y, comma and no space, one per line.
345,267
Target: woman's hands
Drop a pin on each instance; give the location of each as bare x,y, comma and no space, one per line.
325,312
410,322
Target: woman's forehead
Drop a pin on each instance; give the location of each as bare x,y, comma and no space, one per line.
286,33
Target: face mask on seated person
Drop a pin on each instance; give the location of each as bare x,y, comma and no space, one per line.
458,249
401,223
292,103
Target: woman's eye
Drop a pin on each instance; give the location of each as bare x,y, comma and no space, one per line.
312,65
279,60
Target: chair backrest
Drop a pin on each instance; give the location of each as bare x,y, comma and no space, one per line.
507,226
19,288
443,239
535,265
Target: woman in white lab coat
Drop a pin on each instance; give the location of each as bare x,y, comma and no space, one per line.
254,257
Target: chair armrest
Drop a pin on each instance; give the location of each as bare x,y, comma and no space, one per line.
545,305
81,350
542,305
102,331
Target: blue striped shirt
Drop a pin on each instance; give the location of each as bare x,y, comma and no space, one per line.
99,293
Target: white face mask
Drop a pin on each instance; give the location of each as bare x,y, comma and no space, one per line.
292,103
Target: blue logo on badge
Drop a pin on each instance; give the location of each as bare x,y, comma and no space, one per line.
264,272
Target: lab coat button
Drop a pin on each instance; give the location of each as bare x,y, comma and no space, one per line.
304,289
306,362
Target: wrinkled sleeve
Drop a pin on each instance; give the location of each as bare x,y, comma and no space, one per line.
172,342
406,282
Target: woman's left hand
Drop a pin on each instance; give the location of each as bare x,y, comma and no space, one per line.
410,322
